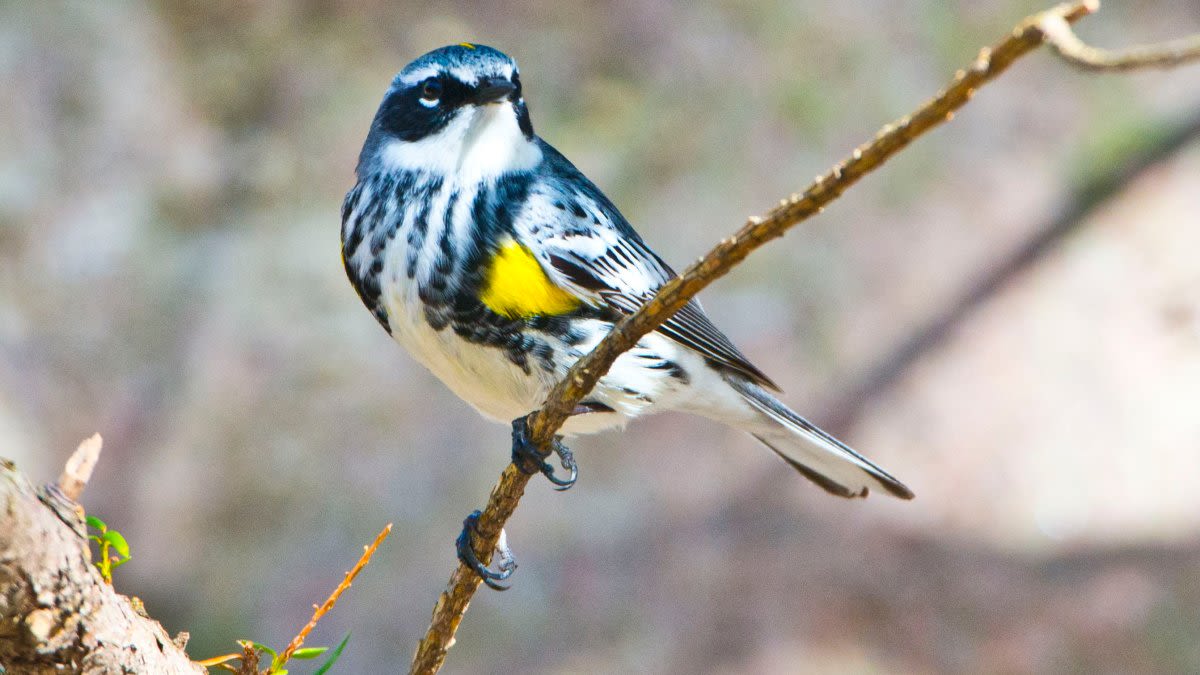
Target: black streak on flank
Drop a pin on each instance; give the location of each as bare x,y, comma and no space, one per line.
545,355
410,263
351,201
673,370
366,282
556,326
445,257
585,407
630,391
382,236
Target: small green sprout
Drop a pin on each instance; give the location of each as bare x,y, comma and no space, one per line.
110,542
251,649
277,661
333,656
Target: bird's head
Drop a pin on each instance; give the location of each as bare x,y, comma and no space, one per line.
456,111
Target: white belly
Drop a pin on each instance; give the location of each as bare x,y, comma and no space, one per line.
481,375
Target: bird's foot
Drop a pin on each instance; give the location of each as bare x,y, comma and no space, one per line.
506,564
530,460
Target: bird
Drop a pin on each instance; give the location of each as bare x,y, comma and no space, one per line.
497,264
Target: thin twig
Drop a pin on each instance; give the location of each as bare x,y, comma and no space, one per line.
220,661
1162,55
320,611
544,424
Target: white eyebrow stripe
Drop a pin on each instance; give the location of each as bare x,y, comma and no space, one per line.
465,75
418,75
462,73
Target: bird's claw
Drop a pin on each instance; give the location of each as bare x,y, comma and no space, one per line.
506,564
527,458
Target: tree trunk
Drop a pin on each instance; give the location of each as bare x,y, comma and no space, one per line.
57,615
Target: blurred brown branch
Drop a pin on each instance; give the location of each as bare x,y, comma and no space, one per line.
842,412
544,424
56,613
1068,45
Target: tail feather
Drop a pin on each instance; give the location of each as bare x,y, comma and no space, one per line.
818,456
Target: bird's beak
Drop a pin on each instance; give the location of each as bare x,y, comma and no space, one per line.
492,90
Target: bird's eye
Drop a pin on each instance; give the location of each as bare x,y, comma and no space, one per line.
431,91
516,80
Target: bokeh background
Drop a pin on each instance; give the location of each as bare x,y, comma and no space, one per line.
170,180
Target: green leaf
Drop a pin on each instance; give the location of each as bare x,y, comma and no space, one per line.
333,657
118,542
263,648
95,523
309,652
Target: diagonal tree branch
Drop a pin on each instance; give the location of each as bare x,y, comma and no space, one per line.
544,424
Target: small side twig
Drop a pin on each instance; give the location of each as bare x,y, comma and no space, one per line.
79,467
1162,55
321,610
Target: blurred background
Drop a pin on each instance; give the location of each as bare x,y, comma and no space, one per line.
1007,317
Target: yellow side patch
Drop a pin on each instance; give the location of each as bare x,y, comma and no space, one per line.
468,45
515,286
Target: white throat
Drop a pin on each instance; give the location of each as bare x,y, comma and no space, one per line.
481,142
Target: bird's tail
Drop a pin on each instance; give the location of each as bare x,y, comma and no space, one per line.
820,457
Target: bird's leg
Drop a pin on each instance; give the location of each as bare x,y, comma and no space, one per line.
527,457
506,564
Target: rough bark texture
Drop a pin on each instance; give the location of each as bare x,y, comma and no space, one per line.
56,614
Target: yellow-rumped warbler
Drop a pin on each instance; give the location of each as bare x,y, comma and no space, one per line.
497,264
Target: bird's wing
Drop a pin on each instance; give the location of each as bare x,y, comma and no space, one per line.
588,248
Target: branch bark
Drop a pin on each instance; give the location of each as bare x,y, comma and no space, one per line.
56,613
544,424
